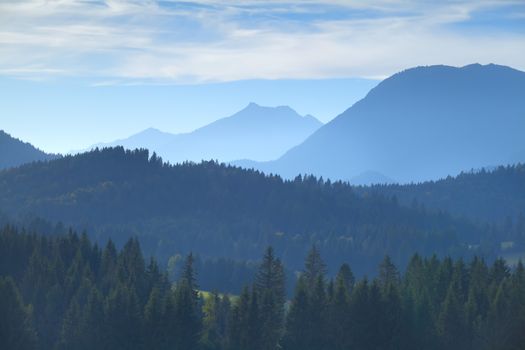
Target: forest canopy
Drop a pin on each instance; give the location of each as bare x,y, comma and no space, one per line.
220,211
65,292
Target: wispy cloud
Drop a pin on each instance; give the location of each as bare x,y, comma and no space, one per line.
212,40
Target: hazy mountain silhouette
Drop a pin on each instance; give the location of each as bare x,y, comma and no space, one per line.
150,138
255,132
420,124
14,152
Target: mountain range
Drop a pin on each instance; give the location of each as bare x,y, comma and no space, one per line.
255,132
424,123
421,124
14,152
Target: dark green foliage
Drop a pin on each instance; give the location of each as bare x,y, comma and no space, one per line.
65,293
186,318
314,268
270,286
299,322
16,331
84,298
484,195
245,323
216,310
388,274
345,278
309,308
218,211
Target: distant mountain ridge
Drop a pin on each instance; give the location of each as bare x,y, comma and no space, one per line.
421,124
14,152
255,132
486,195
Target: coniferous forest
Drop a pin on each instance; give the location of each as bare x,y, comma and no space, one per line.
224,212
64,292
262,175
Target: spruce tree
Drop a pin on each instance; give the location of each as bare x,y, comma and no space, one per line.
314,267
16,330
187,317
388,274
297,334
269,284
338,313
450,322
345,276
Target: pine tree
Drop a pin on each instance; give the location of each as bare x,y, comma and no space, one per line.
154,317
131,269
16,331
318,316
108,266
189,277
345,276
450,323
359,316
388,274
187,317
392,315
297,336
70,334
254,322
91,327
238,335
269,284
314,267
123,319
376,333
338,313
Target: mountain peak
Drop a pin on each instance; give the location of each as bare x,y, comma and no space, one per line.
255,106
423,123
438,69
256,110
150,131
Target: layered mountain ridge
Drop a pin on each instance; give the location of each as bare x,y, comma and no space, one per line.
255,132
423,123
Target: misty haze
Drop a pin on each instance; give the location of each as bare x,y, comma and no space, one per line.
262,175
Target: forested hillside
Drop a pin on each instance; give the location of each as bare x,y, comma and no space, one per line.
64,292
496,195
14,152
223,211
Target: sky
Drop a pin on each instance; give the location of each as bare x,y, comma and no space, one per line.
77,72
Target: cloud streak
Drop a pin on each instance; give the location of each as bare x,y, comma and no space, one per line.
209,41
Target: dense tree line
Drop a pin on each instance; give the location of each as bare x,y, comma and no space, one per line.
485,195
218,211
63,292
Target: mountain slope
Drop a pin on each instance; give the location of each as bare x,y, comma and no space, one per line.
256,132
421,124
484,195
14,152
221,211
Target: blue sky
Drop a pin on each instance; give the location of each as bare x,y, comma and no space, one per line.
75,72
